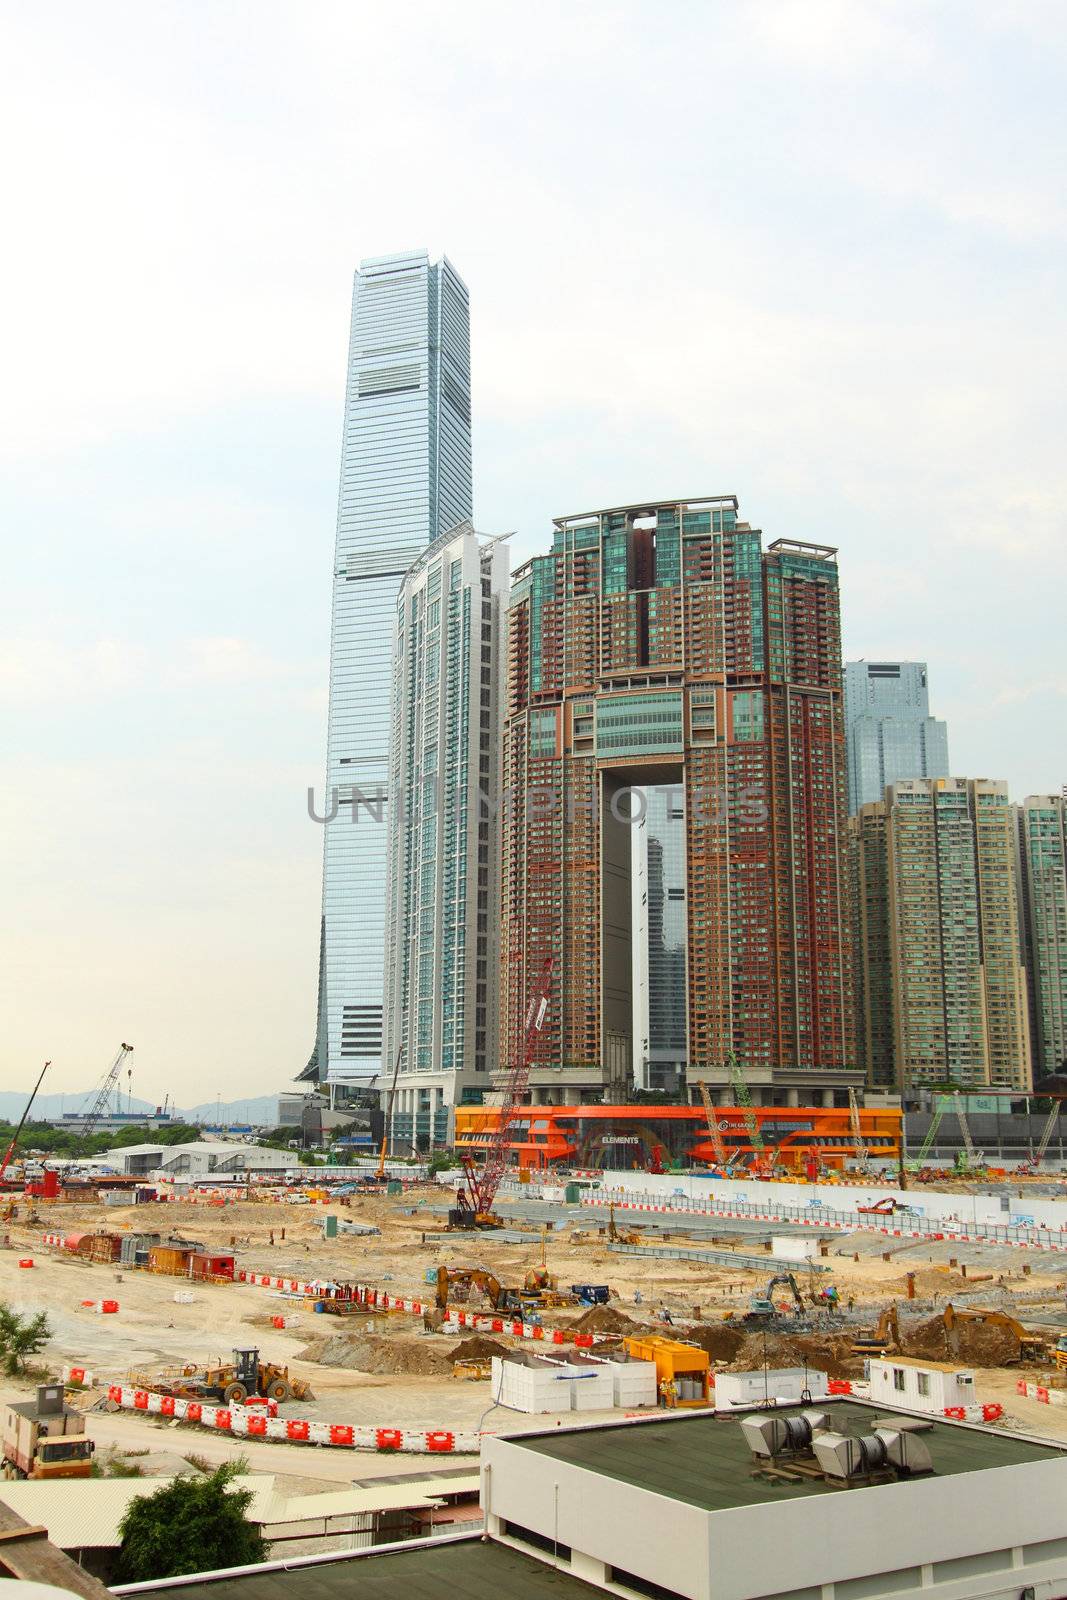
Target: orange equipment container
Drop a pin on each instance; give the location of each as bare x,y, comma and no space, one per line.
683,1371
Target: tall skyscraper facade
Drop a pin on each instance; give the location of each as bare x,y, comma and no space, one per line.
937,899
658,649
1042,833
891,734
442,929
405,478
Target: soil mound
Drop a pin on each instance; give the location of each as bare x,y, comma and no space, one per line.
718,1338
832,1356
366,1353
477,1348
604,1319
972,1344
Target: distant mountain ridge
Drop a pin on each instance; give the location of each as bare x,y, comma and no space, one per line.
261,1108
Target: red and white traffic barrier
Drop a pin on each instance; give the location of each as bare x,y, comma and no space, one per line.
82,1375
481,1322
246,1423
992,1411
1041,1393
101,1307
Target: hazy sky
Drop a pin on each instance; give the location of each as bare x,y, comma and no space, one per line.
809,253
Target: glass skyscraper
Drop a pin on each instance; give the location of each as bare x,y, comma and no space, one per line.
405,478
891,734
442,930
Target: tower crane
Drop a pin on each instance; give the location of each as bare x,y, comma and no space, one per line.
474,1209
99,1106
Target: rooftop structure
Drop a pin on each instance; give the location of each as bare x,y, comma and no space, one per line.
684,1509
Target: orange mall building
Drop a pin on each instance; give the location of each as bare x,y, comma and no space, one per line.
628,1137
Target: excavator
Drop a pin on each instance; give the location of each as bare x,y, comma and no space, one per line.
1031,1346
762,1307
886,1335
456,1283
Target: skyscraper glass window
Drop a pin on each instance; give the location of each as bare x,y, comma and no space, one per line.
890,732
405,478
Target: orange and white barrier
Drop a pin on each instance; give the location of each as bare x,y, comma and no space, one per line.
80,1375
246,1423
101,1307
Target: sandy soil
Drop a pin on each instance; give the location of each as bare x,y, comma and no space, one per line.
394,1372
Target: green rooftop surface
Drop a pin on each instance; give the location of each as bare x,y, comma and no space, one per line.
705,1461
465,1567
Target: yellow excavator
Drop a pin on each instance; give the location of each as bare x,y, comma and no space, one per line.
885,1337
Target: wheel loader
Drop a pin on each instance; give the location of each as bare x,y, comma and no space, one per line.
231,1381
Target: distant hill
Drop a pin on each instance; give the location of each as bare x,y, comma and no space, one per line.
261,1108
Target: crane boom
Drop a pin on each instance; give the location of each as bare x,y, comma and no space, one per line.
10,1151
931,1132
718,1142
965,1128
857,1130
99,1105
482,1187
1047,1132
744,1100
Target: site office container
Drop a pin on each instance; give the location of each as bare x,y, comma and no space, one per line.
173,1262
206,1266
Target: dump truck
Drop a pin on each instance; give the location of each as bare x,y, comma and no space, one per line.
44,1437
230,1381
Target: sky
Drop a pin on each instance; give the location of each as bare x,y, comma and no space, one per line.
806,252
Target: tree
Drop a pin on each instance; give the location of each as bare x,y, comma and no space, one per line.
190,1525
20,1338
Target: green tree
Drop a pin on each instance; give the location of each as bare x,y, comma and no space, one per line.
190,1525
20,1338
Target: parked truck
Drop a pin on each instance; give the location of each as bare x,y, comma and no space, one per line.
44,1438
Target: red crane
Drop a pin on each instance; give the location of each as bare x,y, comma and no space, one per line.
10,1151
474,1208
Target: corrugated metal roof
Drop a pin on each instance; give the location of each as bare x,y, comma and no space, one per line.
85,1512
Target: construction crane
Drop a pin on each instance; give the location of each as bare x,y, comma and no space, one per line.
10,1151
973,1156
1028,1167
98,1108
931,1133
763,1163
475,1208
388,1128
718,1142
857,1131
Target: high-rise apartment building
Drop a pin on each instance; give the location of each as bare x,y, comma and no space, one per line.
405,478
1042,836
658,658
890,732
442,928
936,906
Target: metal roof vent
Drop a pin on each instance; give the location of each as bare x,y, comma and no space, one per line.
886,1450
770,1433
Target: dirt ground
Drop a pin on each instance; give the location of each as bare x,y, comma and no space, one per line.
384,1369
